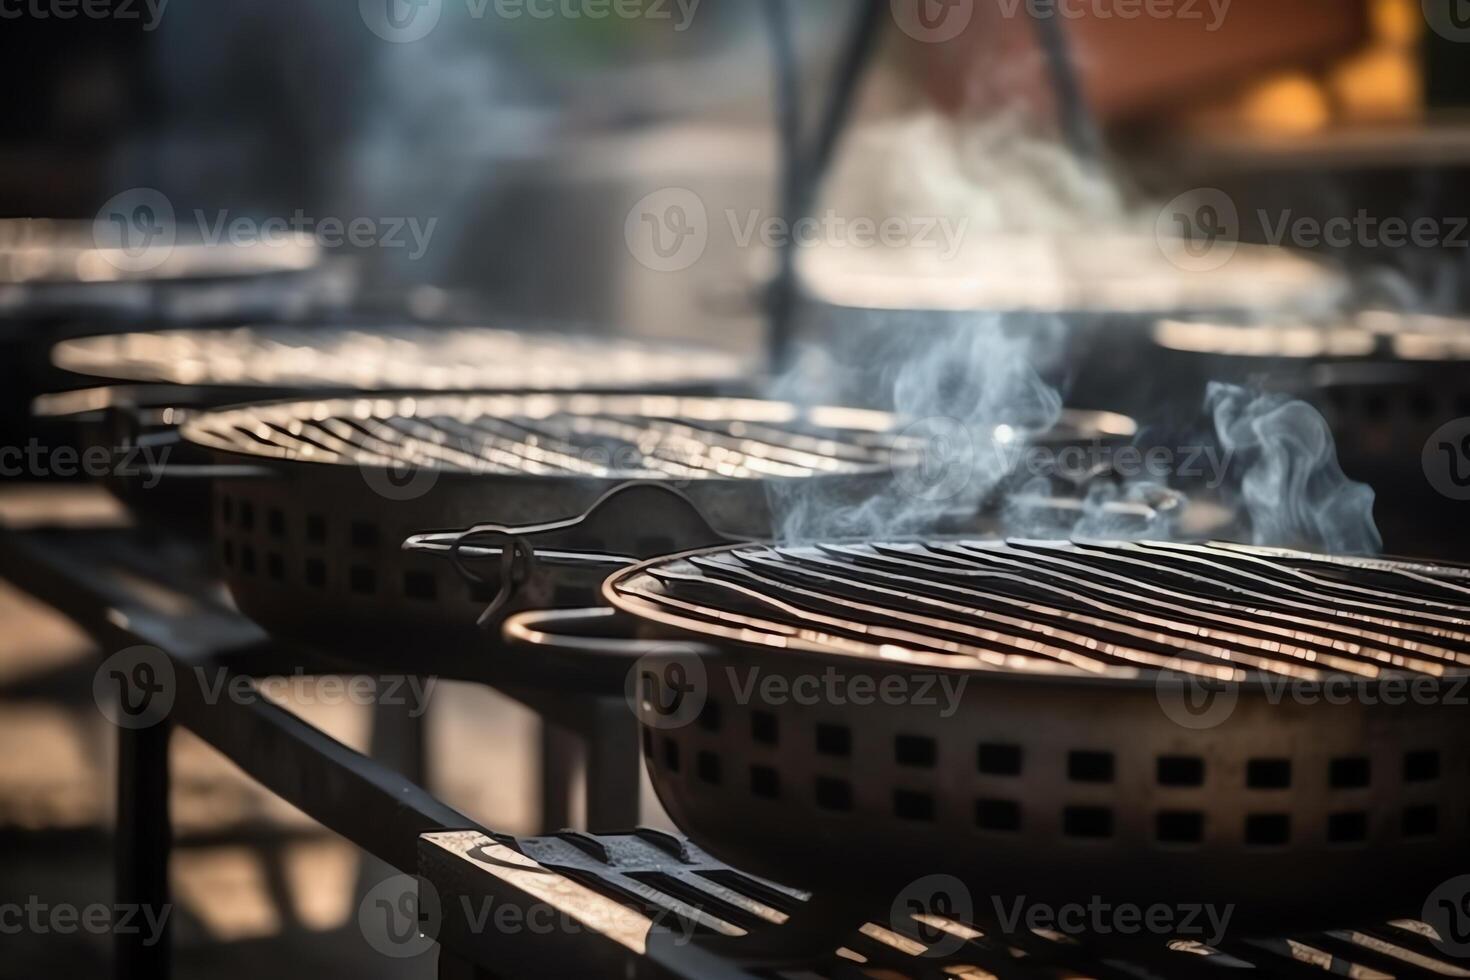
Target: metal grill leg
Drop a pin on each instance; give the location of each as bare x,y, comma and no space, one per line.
560,754
613,768
142,848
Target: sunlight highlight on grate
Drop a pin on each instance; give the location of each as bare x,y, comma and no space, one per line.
1222,611
625,437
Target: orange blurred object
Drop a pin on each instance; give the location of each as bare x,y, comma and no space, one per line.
1136,57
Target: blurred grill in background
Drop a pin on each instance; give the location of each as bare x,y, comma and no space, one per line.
571,352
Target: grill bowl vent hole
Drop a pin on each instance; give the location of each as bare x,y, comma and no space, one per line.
1000,760
999,815
763,727
1180,827
1421,821
1421,767
913,805
1090,767
707,764
1181,770
362,580
363,534
1087,822
1352,772
316,529
1268,774
1347,828
834,740
915,751
1267,829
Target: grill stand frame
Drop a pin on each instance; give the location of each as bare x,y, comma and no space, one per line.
392,818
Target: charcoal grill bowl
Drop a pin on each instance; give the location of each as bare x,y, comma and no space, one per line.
1089,304
312,551
157,395
1385,382
846,796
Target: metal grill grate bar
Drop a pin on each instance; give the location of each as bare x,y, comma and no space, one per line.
442,433
1089,607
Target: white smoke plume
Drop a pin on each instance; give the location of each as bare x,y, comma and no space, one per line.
1292,488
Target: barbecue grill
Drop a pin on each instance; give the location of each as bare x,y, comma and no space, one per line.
1384,381
310,540
255,359
55,281
56,268
176,373
1323,775
1103,293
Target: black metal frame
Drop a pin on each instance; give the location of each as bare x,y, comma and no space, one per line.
630,898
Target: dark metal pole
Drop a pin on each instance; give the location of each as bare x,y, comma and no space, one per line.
802,173
1079,128
141,845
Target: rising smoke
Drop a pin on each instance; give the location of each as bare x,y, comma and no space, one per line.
971,386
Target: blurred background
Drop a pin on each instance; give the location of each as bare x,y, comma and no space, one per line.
519,163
